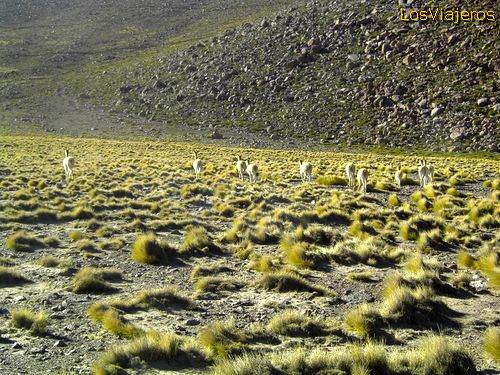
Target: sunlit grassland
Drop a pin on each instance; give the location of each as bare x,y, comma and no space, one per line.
138,203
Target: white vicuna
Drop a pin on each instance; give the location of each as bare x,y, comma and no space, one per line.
350,171
241,167
397,177
253,172
362,179
423,173
305,170
197,164
68,164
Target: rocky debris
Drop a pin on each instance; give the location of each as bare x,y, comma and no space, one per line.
436,111
482,102
322,71
217,135
479,283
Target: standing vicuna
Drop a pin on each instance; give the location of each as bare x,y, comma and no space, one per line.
362,179
241,167
305,170
430,170
197,164
253,172
397,176
423,173
68,164
350,171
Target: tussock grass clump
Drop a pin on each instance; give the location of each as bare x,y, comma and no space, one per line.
149,249
408,232
35,322
112,321
223,339
197,242
480,209
356,359
300,254
372,251
393,200
437,355
9,276
491,343
316,234
294,323
5,261
410,229
364,321
466,260
207,270
246,364
50,261
23,241
52,241
162,298
417,263
86,246
192,190
113,244
264,263
289,282
75,235
461,280
94,280
217,283
264,233
78,213
431,240
384,185
413,306
236,232
167,348
331,180
108,313
486,260
366,276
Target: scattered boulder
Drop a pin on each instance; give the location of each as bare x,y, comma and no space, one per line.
436,111
482,102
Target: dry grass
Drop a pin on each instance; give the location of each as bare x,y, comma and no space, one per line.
289,237
35,322
166,348
24,241
149,249
95,280
289,282
9,276
294,323
491,343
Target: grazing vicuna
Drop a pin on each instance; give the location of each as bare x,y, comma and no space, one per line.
305,170
423,173
68,164
241,167
350,171
362,179
197,164
253,172
398,176
430,169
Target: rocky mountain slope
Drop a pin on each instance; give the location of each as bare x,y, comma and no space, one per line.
338,72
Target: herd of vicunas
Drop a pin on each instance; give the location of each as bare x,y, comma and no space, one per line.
358,181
